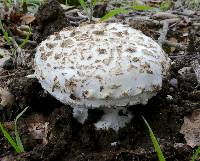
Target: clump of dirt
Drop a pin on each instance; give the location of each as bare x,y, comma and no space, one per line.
50,18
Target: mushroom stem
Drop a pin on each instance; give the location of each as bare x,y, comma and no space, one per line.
114,117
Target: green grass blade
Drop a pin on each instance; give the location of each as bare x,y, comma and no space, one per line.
34,2
1,26
94,2
18,140
142,7
155,142
113,13
5,33
25,40
84,6
9,138
165,5
196,154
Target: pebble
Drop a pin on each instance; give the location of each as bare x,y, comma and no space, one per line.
173,82
169,97
114,143
8,64
185,70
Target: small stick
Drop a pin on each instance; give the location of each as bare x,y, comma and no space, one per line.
19,55
163,33
19,40
196,67
176,45
72,18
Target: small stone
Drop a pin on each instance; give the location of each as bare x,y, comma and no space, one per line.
169,97
178,145
173,82
114,143
3,60
184,71
8,64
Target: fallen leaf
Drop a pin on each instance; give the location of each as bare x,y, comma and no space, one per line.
28,18
191,129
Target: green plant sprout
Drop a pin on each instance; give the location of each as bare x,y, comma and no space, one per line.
17,143
142,7
9,41
88,8
166,5
155,142
114,12
5,34
196,154
158,149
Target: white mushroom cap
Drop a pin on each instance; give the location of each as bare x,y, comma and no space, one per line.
103,64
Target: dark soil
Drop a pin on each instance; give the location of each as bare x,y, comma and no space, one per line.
67,140
49,19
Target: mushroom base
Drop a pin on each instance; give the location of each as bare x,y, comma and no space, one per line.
114,117
80,114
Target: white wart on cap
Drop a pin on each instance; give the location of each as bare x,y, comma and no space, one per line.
103,65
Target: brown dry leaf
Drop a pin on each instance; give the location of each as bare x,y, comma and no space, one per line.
28,18
191,129
173,41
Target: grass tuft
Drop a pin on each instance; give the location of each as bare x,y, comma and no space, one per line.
17,143
155,142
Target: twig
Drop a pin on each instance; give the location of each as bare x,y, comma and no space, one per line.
19,40
164,16
192,14
72,18
5,76
196,24
176,45
163,33
81,15
196,67
144,20
171,21
20,53
74,23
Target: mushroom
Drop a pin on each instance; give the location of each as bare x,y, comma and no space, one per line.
108,66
